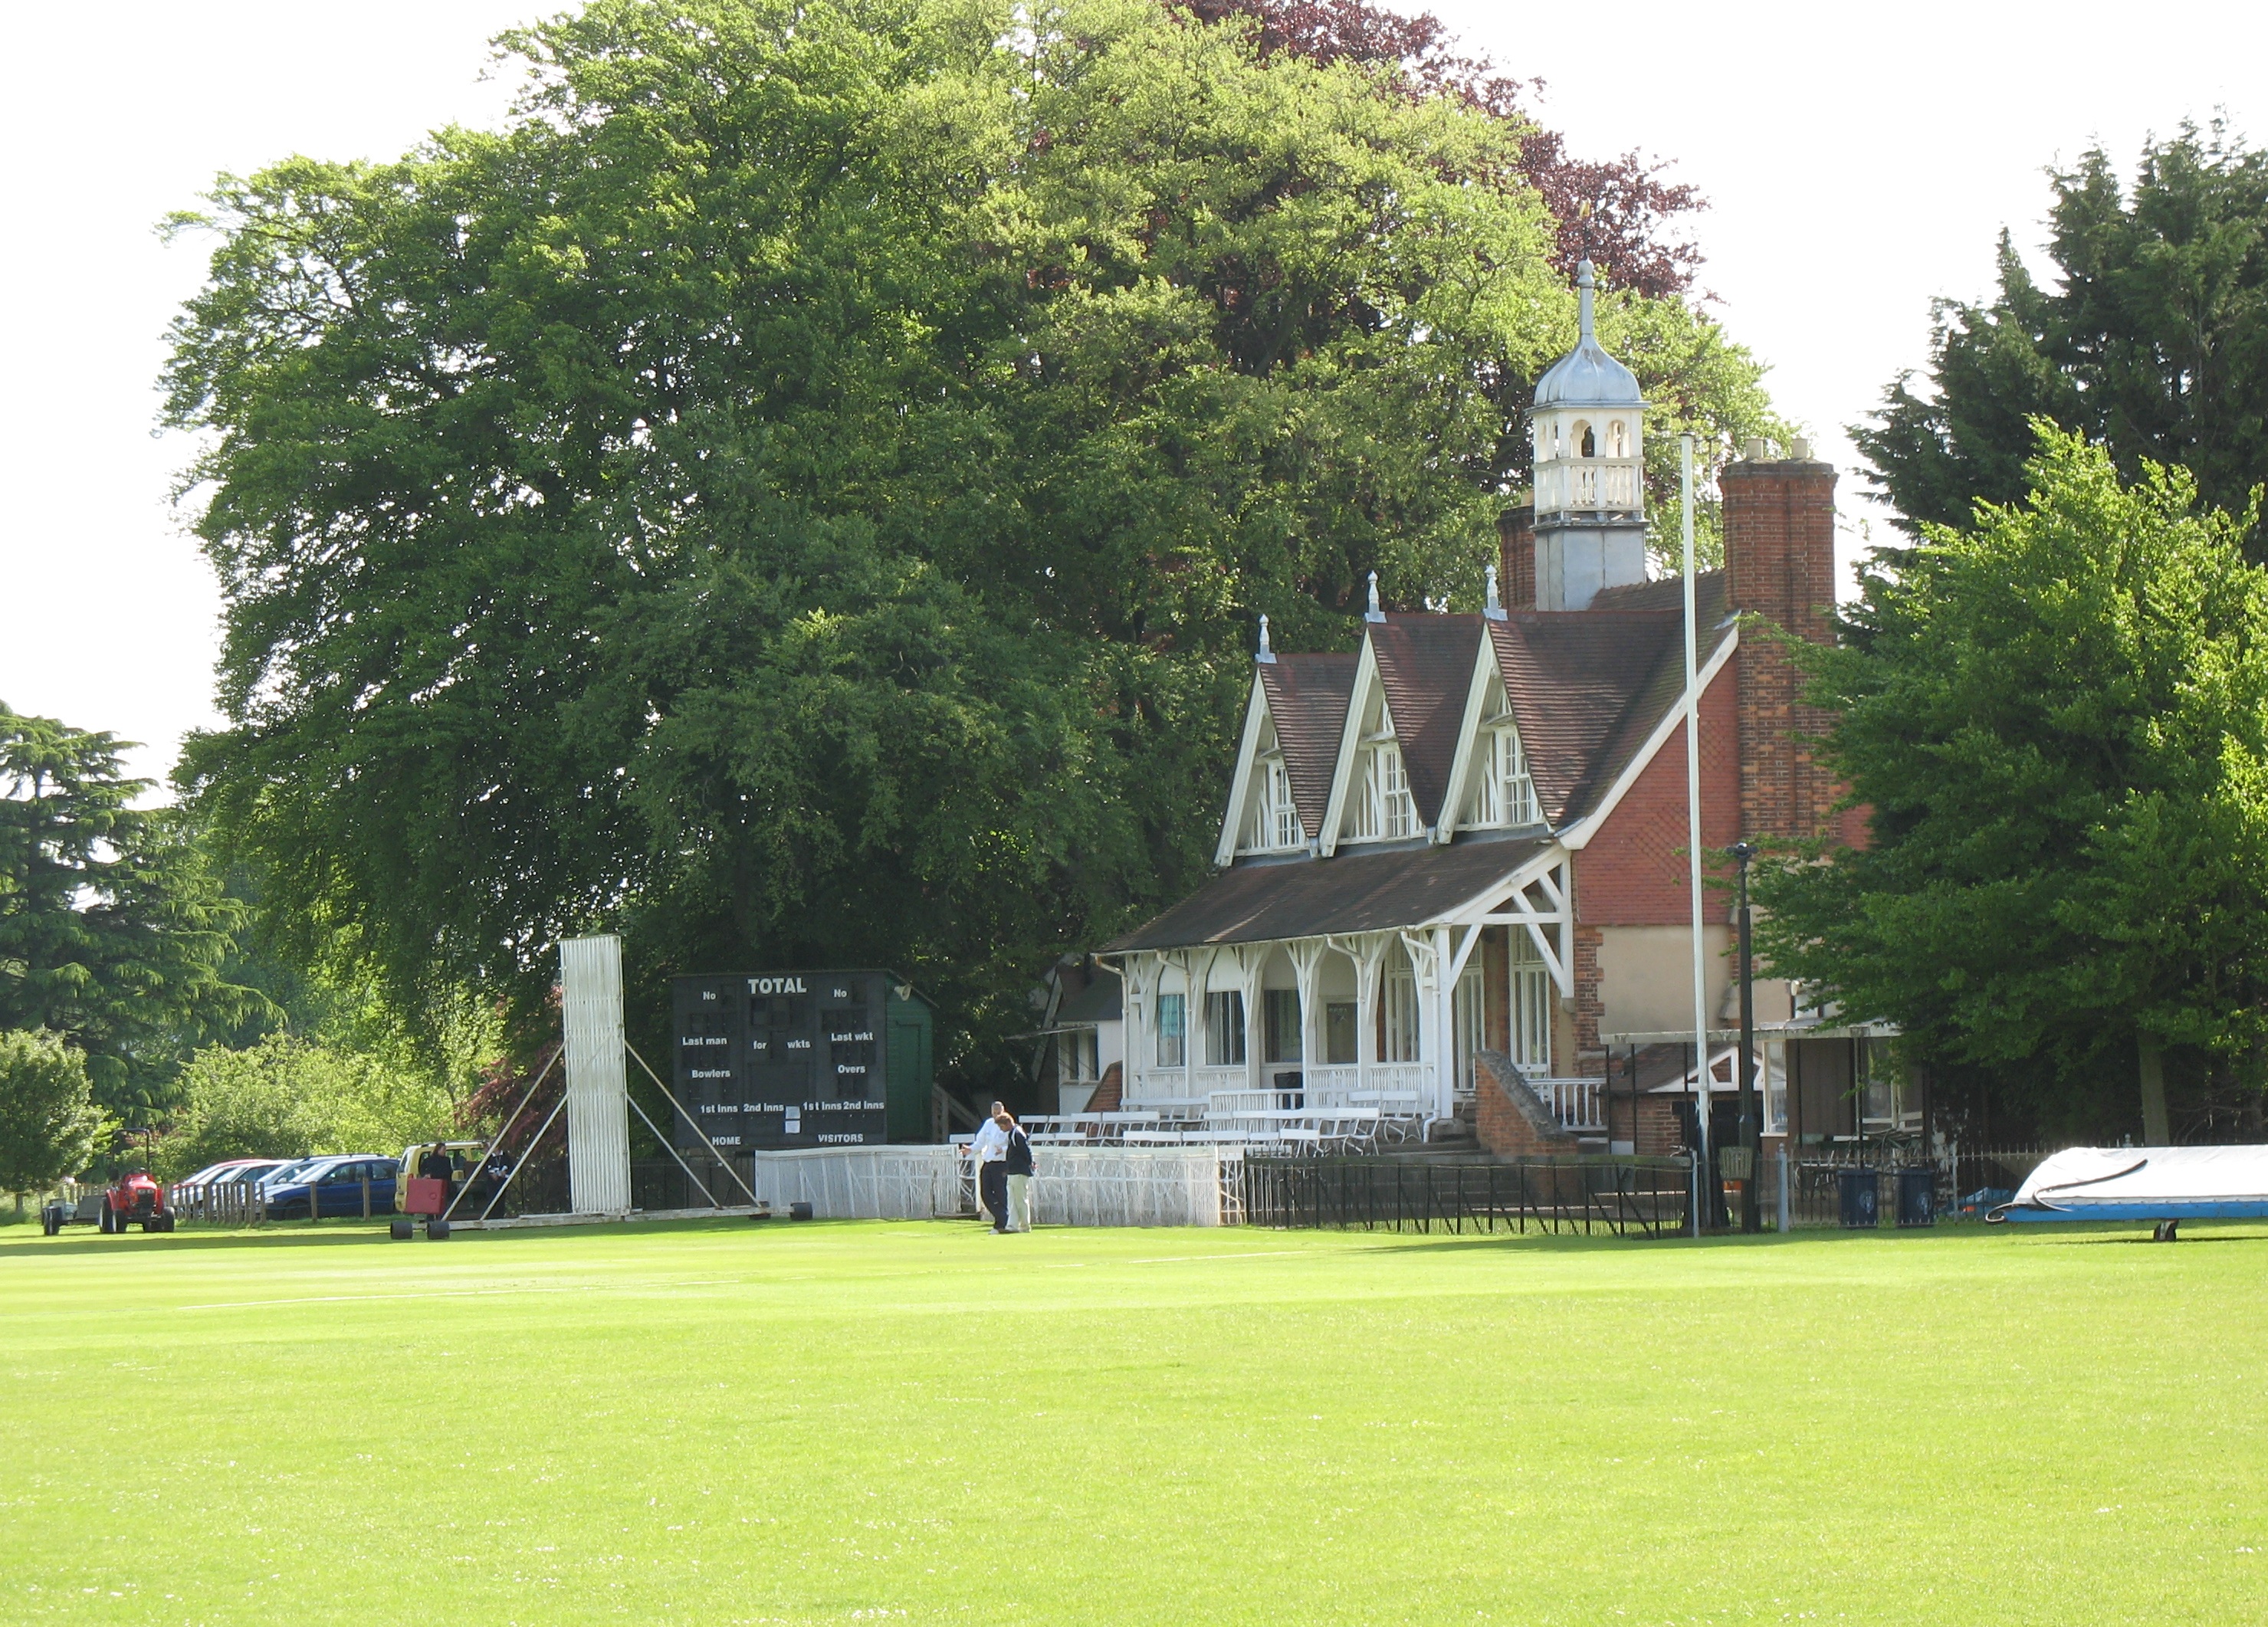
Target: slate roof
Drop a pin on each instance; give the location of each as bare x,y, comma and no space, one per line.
1098,1002
1356,891
1425,667
1587,687
1307,700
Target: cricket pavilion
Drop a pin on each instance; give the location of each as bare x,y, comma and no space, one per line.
1452,871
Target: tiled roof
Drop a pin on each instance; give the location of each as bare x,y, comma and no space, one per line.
1354,893
1587,687
1425,667
1307,700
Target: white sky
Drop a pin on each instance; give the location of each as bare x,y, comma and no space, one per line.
1857,159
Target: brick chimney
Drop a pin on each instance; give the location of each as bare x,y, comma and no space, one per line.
1780,564
1515,531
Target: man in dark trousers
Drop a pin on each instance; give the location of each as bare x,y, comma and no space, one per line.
989,1147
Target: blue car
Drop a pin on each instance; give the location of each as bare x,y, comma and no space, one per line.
333,1186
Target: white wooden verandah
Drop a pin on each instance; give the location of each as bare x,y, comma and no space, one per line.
1535,899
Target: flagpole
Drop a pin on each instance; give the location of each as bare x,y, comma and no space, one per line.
1693,843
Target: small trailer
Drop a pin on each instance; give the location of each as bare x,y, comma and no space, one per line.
2164,1185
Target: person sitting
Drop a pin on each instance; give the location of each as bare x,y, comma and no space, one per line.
434,1164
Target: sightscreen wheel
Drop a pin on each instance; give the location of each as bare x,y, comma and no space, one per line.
401,1230
109,1222
51,1220
2168,1232
437,1230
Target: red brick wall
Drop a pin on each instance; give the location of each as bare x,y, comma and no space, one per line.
1503,1128
1780,556
1633,872
1590,1058
1515,531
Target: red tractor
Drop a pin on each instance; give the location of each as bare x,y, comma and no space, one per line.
132,1199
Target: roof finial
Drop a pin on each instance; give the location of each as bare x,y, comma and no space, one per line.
1373,614
1267,656
1584,282
1494,609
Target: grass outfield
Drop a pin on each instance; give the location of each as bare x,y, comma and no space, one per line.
723,1423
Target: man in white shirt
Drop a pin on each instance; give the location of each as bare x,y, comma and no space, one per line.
990,1148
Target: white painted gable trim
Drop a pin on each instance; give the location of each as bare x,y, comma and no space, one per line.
1365,680
1460,766
1256,709
1580,833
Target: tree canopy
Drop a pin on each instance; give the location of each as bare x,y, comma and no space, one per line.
50,1126
2059,719
2153,342
113,928
801,493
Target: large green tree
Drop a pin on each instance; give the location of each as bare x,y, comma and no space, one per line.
113,926
50,1126
2059,718
2152,340
802,491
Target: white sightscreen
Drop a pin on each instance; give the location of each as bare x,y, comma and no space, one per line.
597,1093
1076,1186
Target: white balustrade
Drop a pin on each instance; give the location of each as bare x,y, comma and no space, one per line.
1608,483
1578,1104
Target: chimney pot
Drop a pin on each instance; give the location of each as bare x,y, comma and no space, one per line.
1800,449
1753,449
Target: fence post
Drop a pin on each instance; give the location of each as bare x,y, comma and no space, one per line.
1784,1226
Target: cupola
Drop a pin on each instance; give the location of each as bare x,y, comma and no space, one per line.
1588,431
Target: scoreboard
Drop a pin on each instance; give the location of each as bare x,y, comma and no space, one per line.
789,1059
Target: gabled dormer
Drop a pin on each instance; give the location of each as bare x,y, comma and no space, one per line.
1411,684
1494,785
1293,720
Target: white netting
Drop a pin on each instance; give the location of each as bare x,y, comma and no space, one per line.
865,1183
1137,1186
1075,1186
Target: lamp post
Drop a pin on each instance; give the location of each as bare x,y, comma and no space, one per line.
1751,1121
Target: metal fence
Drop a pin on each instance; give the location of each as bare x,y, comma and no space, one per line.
1621,1195
1965,1181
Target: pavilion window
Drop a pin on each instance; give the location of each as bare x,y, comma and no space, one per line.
1173,1031
1400,1012
1531,1005
1506,793
1283,814
1386,810
1224,1028
1470,1010
1339,1032
1279,1025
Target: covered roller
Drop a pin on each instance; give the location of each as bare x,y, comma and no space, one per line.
2165,1184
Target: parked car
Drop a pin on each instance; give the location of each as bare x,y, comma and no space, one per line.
290,1169
333,1186
252,1172
214,1175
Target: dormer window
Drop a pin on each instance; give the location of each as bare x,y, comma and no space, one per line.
1505,795
1274,826
1386,810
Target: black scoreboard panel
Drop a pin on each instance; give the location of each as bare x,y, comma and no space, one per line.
782,1059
